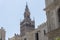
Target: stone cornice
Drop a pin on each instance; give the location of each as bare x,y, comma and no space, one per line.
52,6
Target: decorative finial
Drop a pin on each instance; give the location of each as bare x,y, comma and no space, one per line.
27,13
26,5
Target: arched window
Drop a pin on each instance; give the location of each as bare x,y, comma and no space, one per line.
59,14
37,36
44,32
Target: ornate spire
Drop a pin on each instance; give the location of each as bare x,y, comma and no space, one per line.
27,13
27,24
27,7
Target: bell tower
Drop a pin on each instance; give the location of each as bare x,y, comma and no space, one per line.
27,24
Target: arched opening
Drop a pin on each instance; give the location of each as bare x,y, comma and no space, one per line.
59,14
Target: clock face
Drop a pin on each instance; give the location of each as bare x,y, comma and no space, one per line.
27,13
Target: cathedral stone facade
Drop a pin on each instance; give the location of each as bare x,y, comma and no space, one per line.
50,30
2,34
53,18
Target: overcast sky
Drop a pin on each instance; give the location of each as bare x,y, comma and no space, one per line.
12,11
